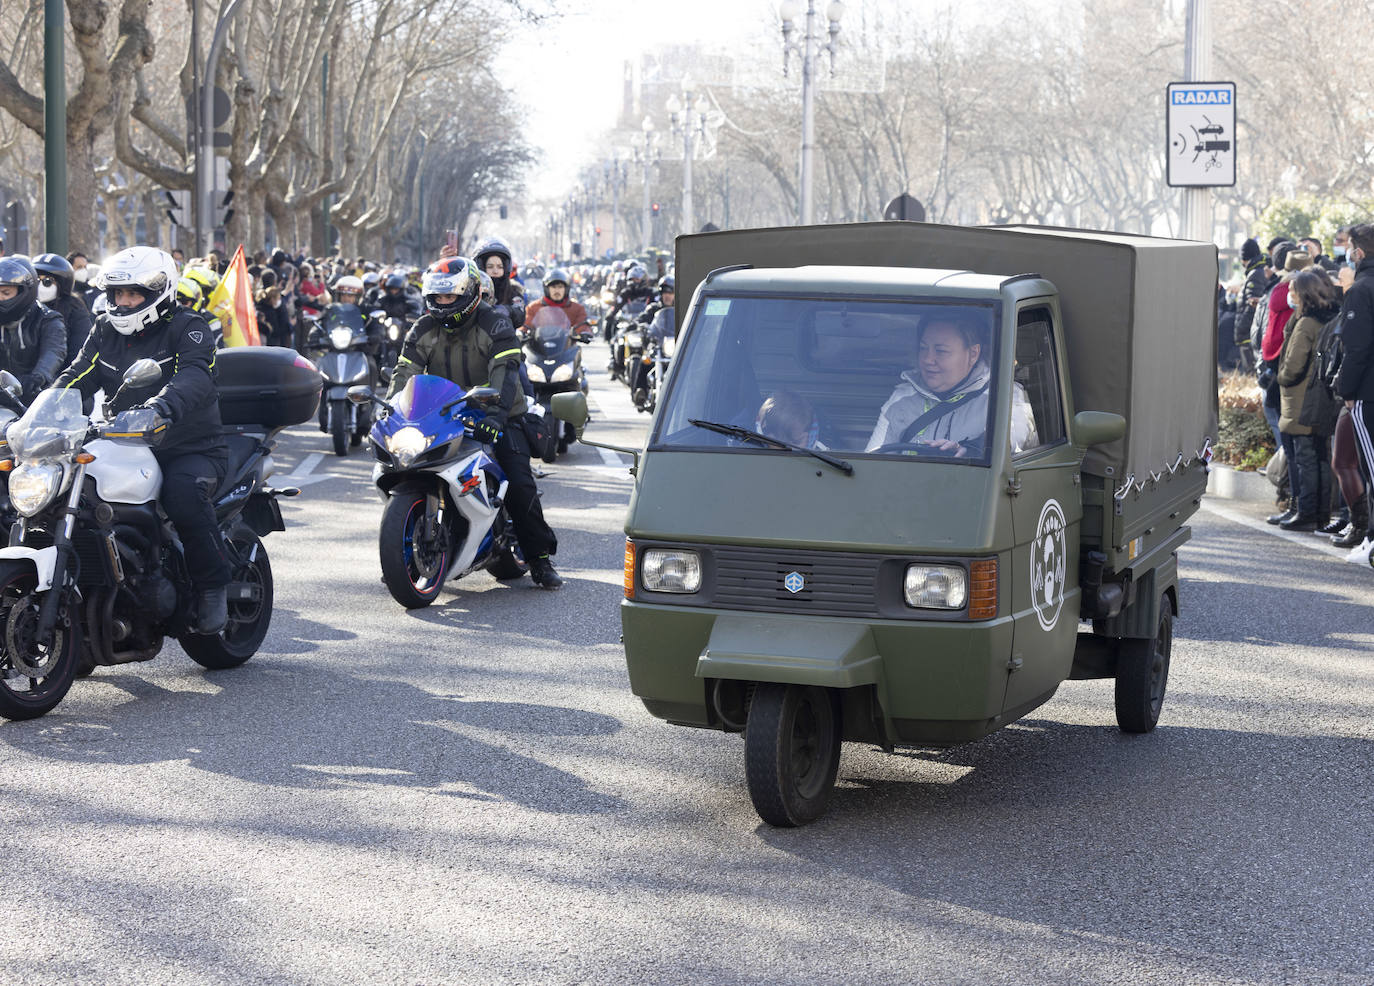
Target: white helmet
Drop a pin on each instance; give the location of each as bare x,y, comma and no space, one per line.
348,284
151,272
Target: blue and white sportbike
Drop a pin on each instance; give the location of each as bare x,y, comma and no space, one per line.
445,515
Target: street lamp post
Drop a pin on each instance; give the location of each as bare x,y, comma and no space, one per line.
809,47
689,117
205,159
647,159
54,128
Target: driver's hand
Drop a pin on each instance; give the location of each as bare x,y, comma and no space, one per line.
947,445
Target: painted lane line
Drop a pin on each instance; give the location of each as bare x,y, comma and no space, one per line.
614,459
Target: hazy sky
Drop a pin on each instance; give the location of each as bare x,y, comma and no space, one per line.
569,71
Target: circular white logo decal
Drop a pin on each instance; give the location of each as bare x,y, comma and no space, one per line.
1049,563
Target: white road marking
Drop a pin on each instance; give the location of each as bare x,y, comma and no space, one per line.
613,459
302,476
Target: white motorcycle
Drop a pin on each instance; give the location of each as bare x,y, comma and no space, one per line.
95,574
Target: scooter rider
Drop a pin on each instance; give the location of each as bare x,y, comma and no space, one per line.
33,339
471,343
658,325
56,284
395,301
143,320
636,287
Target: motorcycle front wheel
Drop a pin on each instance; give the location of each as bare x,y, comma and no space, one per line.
33,678
250,609
414,554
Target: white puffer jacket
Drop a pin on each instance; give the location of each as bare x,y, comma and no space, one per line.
965,424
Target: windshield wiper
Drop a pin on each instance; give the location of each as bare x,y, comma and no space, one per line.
734,431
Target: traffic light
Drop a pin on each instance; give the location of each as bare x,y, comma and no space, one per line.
577,249
177,206
598,231
505,213
223,211
654,207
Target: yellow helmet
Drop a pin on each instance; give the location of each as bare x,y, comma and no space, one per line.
206,278
189,292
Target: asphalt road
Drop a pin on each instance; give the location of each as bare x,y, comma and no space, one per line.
470,794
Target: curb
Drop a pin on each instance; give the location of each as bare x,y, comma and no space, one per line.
1232,484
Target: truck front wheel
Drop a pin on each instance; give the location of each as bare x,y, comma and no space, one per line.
1142,673
792,751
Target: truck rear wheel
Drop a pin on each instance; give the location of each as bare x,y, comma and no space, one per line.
792,752
1142,673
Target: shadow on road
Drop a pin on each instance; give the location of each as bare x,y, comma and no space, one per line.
289,728
1192,839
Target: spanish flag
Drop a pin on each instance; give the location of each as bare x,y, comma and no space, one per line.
232,300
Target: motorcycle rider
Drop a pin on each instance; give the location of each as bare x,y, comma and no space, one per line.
636,287
143,320
473,344
493,256
56,289
348,293
396,301
658,324
33,338
556,295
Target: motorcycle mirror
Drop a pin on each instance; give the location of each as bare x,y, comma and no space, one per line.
361,394
143,373
379,314
571,408
10,384
386,373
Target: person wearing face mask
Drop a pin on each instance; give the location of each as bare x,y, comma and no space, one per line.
56,281
1305,441
33,338
1355,381
143,320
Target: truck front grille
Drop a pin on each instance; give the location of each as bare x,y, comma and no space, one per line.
827,583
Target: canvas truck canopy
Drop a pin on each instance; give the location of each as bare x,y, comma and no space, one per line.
1139,313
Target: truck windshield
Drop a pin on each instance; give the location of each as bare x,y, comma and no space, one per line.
878,377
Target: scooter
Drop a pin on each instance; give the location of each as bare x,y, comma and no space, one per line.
445,515
343,362
553,361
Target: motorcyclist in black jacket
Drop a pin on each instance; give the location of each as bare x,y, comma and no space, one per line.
395,300
33,338
473,344
56,284
143,320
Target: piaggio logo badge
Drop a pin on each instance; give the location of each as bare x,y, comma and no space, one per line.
793,582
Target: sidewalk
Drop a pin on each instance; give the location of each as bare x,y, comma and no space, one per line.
1246,498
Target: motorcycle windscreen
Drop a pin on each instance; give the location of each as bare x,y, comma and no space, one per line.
424,395
550,329
344,317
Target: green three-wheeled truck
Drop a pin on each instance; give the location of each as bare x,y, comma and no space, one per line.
907,478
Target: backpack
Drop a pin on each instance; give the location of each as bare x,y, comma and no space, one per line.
1330,352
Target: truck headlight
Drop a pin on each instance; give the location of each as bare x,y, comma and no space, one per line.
563,372
33,487
406,444
670,570
935,587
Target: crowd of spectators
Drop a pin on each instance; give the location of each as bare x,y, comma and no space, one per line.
1303,322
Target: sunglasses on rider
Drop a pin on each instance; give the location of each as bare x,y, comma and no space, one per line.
47,282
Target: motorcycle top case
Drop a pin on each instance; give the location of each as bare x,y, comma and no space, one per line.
266,385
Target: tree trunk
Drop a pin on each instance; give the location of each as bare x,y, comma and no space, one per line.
82,188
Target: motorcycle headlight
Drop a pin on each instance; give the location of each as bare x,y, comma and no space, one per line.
341,337
393,333
536,373
935,587
563,372
406,444
670,570
34,486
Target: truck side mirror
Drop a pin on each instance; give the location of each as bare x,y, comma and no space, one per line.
1097,428
571,408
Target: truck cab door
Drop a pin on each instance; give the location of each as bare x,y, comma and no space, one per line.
1046,506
